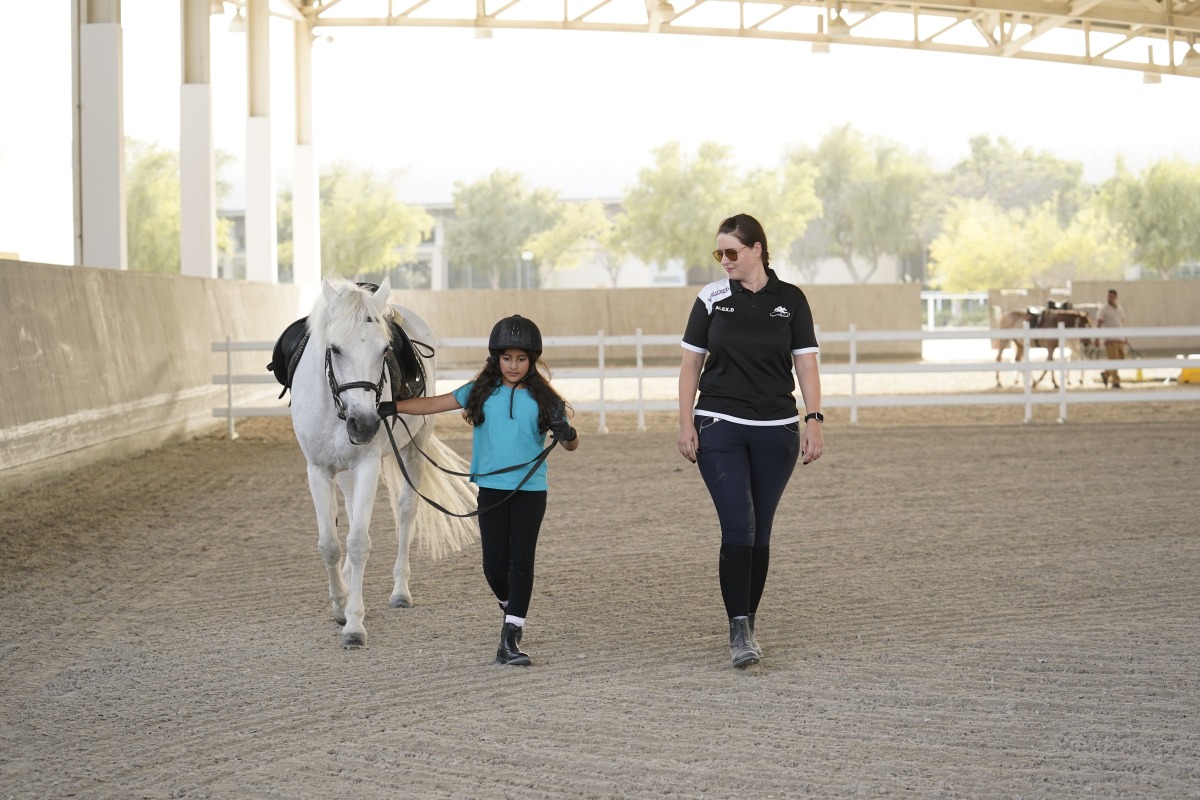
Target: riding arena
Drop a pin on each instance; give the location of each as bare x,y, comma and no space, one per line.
961,604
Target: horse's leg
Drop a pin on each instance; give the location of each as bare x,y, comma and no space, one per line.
405,503
1050,369
324,495
346,481
1018,355
358,546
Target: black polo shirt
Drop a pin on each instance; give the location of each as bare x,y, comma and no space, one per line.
750,340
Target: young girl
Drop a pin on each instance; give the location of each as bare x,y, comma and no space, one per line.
512,406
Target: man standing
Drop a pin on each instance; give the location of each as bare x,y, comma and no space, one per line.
1112,316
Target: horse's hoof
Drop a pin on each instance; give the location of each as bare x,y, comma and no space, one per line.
401,602
340,620
351,641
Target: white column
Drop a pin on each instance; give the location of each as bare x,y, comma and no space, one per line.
438,278
101,236
306,200
197,171
197,182
262,253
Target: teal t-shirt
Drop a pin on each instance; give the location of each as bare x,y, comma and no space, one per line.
503,439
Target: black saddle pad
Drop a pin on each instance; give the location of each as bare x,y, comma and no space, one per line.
410,382
287,352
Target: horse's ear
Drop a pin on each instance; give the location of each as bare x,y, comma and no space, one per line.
327,291
384,290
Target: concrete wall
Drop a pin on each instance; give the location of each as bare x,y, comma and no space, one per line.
102,364
1150,303
577,312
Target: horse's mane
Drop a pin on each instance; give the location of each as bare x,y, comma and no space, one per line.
341,320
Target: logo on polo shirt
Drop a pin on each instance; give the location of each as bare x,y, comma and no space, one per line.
723,308
780,311
719,293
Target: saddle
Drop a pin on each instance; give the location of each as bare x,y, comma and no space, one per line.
406,373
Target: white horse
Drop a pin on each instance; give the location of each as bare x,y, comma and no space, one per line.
336,386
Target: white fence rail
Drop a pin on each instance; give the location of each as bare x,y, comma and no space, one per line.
1028,369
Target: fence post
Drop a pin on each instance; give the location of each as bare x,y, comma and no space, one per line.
1063,372
600,349
853,374
1026,371
641,424
229,386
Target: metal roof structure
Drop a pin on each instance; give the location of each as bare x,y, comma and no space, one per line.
1155,37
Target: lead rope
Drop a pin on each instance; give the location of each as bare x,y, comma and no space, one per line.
536,462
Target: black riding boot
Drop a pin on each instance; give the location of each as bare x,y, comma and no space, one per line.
740,651
509,652
752,641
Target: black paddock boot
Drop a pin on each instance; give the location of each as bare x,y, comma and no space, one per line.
509,653
520,630
740,651
752,641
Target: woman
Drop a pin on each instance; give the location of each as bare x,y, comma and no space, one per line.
512,406
746,334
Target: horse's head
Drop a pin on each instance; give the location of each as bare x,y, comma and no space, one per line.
1082,320
352,323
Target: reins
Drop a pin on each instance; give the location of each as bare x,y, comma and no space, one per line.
536,462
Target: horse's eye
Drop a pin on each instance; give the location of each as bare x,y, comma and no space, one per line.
337,351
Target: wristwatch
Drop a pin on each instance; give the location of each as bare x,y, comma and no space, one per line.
817,415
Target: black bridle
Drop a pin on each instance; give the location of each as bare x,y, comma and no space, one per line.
389,362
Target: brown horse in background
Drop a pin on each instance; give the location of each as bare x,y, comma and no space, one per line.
1043,318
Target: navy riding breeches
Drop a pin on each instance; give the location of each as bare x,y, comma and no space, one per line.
746,468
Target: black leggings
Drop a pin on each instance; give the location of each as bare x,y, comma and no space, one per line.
509,534
746,468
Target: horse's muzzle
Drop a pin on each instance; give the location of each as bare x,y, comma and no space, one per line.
362,430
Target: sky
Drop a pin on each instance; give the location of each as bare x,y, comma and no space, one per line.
577,112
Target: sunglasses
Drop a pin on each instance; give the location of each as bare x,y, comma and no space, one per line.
729,253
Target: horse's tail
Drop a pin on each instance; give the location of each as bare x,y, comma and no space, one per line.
436,534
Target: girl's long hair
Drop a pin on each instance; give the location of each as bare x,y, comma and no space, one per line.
550,404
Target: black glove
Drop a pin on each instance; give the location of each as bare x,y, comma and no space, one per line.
386,409
561,430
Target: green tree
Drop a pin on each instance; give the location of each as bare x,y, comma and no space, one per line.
495,220
785,201
581,229
1157,211
1013,178
978,248
870,192
672,212
983,246
286,252
152,208
1089,247
365,229
223,161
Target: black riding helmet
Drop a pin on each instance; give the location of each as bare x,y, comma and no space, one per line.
518,332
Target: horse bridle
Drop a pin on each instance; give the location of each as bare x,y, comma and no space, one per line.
389,363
